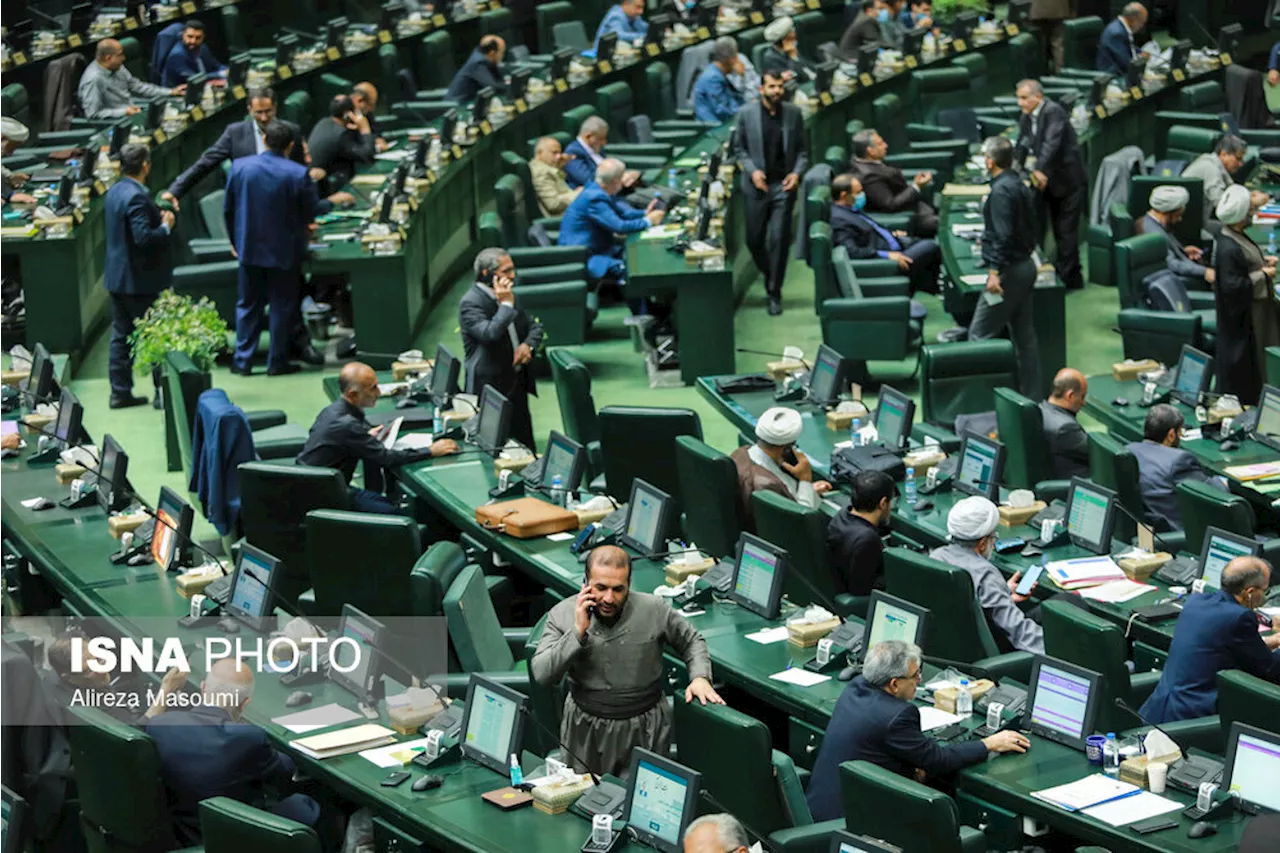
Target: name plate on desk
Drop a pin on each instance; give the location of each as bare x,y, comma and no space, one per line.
757,18
561,85
652,49
456,151
604,67
197,114
1011,30
959,46
130,24
77,214
485,127
866,79
439,20
188,8
521,106
911,61
1179,75
159,137
238,92
1135,92
703,33
74,40
334,54
384,36
19,58
99,188
824,98
1100,111
812,4
284,72
1224,58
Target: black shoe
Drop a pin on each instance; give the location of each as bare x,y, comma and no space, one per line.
126,400
775,306
284,371
310,355
247,370
157,402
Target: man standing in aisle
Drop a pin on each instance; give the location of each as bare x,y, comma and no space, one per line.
1050,152
269,207
770,148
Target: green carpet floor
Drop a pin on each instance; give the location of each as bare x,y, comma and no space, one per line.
618,374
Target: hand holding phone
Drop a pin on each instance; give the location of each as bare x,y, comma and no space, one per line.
1029,580
585,609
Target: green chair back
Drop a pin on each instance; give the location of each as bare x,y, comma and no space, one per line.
389,66
961,378
811,29
546,701
1080,41
184,383
1136,258
1202,506
748,41
824,275
514,164
433,574
15,103
818,204
340,540
979,80
869,328
274,502
215,224
802,533
297,109
934,89
1027,56
1245,698
474,630
435,68
956,619
1112,466
233,31
123,805
548,15
218,281
1188,230
227,824
890,121
1022,434
613,104
509,199
1076,636
1187,143
573,119
1158,334
880,803
573,392
659,91
713,517
639,441
1273,366
330,86
499,22
133,58
1206,97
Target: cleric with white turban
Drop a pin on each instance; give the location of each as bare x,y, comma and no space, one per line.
12,134
1234,205
1167,198
773,464
1247,313
1168,204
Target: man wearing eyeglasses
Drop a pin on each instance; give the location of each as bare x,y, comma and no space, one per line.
1163,464
876,721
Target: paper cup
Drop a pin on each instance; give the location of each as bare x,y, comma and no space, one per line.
1157,771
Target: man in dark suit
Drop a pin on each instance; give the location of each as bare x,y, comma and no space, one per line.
269,207
482,70
1067,441
864,238
139,263
586,152
1163,464
1216,631
190,56
1045,134
500,339
887,189
596,217
770,148
206,751
341,142
1116,47
864,30
876,721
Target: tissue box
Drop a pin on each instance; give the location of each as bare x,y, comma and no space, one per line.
944,698
118,524
1127,371
556,797
64,472
587,516
1141,568
1014,516
513,465
778,370
692,255
679,570
192,582
36,423
14,377
841,421
806,635
1134,770
924,459
1223,409
401,370
405,717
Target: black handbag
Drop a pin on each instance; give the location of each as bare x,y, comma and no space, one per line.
847,462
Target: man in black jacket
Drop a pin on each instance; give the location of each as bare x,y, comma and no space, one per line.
1068,443
1007,243
341,143
481,71
887,189
1049,150
864,238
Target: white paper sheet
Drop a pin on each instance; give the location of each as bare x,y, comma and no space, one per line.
561,537
1132,809
313,719
413,441
931,718
768,636
1117,591
1092,790
800,677
395,755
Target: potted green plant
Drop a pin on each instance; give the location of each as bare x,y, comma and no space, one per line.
176,323
945,11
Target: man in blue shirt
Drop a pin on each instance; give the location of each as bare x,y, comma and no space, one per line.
596,216
864,238
1116,47
624,19
714,97
190,56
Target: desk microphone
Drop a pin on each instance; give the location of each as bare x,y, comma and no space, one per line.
979,671
776,355
1125,706
524,709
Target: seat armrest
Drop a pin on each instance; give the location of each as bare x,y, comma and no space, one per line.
542,256
929,161
875,268
638,149
972,840
516,639
895,285
266,418
949,441
307,603
852,605
896,221
1048,490
1142,684
1201,300
1015,665
920,132
814,838
1148,657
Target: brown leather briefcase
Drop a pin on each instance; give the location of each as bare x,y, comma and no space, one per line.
525,518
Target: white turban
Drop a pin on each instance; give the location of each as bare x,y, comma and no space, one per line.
972,519
778,29
1233,207
1167,199
779,426
13,130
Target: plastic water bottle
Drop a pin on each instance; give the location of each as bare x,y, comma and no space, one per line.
557,490
964,699
1271,242
517,775
437,424
913,493
673,180
855,440
1111,755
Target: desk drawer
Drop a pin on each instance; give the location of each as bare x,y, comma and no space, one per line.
803,742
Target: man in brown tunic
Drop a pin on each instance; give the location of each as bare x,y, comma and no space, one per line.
773,464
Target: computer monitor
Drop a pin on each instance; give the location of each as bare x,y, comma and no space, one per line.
565,457
386,204
40,382
867,56
1267,429
980,467
894,415
495,420
1221,547
964,25
398,179
1091,516
448,123
88,164
492,723
253,589
1098,91
391,12
66,185
758,576
913,41
1229,38
195,90
662,798
1137,68
893,618
444,376
155,113
560,62
648,518
238,70
847,842
480,108
1252,768
519,84
1064,700
286,44
82,16
360,657
708,12
1195,372
171,539
828,372
605,47
113,473
66,429
1179,54
334,30
823,74
13,821
658,25
1019,12
119,137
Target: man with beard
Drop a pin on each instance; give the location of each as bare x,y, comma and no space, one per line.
854,538
610,641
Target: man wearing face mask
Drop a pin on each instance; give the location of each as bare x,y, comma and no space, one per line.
1168,204
855,539
891,30
864,238
773,464
1217,630
864,30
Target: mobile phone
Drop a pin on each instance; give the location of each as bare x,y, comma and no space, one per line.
1153,824
1029,580
789,456
394,779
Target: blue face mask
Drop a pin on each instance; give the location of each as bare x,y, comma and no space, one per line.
859,201
883,15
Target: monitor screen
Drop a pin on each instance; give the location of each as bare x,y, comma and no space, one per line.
495,420
1195,370
824,379
70,413
113,471
40,383
492,723
1063,701
981,467
1252,767
893,418
758,576
661,799
173,529
1090,516
1019,11
360,656
564,457
1220,548
444,374
847,842
892,618
251,591
1268,429
647,512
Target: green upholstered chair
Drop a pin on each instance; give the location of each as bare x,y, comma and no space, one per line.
133,57
1158,334
217,280
215,224
435,65
1202,506
740,768
1188,143
546,701
872,327
1027,56
15,103
1273,366
123,805
871,277
553,263
339,540
548,16
934,89
1141,256
613,104
436,570
893,125
639,441
274,502
1027,464
957,623
230,825
1113,466
514,164
1080,41
389,65
1077,636
914,817
574,117
1206,97
577,406
1166,119
975,64
960,379
709,484
802,533
1242,698
297,109
565,308
330,86
475,634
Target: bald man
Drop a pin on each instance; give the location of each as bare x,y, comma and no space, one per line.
1068,443
107,89
1217,630
207,751
365,96
341,437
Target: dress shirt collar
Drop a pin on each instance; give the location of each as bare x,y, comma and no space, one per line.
487,291
591,152
1125,24
1035,114
759,457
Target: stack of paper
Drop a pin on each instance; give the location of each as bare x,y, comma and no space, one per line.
343,741
1127,810
931,718
1257,471
1083,571
313,719
1114,592
1090,791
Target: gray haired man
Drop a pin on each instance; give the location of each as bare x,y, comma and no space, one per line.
716,833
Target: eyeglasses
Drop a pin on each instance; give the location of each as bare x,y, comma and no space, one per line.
915,676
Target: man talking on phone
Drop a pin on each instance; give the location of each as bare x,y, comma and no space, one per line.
609,641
